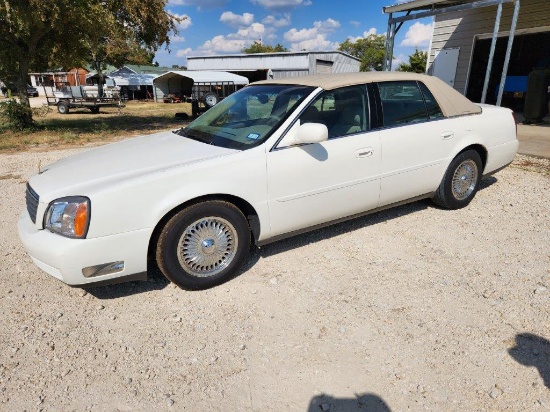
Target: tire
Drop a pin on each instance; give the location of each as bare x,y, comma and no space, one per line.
94,110
203,245
461,181
211,99
63,107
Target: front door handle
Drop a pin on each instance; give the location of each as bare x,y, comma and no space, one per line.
447,135
364,152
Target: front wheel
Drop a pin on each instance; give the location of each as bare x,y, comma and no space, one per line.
461,181
203,245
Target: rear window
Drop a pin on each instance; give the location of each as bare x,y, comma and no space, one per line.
402,103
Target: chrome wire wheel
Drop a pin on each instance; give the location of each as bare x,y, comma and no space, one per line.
464,179
207,246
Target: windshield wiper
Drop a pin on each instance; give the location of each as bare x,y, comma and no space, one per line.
198,138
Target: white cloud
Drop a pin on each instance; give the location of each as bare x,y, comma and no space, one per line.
319,43
183,25
281,5
370,32
327,26
184,52
315,38
273,21
233,42
295,35
418,35
185,20
236,20
355,23
397,60
222,44
254,32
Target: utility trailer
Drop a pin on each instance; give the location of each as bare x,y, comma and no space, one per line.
66,97
205,95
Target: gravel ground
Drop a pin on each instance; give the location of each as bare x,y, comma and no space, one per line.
415,308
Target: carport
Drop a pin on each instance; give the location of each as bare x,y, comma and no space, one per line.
416,9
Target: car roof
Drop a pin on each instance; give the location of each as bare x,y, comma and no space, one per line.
452,103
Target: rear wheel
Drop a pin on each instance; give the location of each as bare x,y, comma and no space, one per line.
461,181
203,245
63,107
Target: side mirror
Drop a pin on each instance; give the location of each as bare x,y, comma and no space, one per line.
311,133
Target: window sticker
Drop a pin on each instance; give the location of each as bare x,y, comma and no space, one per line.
253,136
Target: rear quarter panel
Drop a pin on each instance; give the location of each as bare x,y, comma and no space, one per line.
495,128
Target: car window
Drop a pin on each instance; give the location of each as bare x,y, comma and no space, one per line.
434,111
402,103
343,111
248,117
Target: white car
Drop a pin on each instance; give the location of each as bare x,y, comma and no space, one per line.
276,158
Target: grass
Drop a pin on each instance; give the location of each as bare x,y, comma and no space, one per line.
80,126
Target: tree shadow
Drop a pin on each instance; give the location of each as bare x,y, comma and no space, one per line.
533,350
97,122
361,403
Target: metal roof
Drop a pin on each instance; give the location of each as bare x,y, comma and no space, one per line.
423,5
203,76
275,54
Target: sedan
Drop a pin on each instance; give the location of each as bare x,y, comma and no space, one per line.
274,159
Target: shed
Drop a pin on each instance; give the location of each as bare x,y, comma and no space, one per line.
262,66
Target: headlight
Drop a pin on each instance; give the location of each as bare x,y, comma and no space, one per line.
69,216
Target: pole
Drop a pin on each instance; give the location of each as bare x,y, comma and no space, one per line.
491,54
508,52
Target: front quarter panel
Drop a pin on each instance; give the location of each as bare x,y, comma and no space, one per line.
143,202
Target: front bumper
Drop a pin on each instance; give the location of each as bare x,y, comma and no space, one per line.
64,258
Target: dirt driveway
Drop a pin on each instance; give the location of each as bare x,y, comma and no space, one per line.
415,308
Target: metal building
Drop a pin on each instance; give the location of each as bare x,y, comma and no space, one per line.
263,66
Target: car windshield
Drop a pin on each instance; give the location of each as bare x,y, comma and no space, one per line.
248,117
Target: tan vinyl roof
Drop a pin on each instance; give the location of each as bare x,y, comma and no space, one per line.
452,103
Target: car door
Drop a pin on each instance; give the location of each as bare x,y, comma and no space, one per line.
317,183
416,141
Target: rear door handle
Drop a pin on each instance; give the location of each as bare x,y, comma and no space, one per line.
447,135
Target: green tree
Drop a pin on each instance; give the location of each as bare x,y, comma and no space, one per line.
370,50
258,47
417,63
70,33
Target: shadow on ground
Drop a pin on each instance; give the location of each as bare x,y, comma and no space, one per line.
122,122
361,403
533,350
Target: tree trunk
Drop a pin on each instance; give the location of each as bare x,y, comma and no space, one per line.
22,81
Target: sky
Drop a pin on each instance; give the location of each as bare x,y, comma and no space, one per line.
217,27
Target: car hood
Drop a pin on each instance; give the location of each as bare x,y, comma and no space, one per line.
122,161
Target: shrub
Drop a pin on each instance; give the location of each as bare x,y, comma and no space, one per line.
18,116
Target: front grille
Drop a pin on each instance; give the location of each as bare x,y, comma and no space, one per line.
32,199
